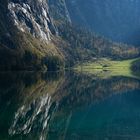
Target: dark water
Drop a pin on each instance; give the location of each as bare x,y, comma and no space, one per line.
68,106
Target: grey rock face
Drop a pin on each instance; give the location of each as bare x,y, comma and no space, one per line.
32,16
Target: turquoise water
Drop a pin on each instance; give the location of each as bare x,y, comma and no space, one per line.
68,106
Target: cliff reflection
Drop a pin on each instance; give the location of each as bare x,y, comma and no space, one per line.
45,106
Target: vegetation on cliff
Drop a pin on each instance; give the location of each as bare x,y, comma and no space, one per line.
69,45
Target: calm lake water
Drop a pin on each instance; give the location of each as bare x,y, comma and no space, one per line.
68,106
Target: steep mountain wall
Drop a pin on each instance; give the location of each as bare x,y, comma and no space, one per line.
31,16
25,35
115,19
40,34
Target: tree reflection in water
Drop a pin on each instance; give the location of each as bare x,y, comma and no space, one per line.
67,106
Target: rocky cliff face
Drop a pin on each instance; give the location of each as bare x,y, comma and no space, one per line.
32,16
28,31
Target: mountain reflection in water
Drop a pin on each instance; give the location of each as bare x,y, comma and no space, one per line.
67,106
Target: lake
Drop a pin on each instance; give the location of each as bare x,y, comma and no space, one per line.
68,106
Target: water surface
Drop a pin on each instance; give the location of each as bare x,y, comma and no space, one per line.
68,106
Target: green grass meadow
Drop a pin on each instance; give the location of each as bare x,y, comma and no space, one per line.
105,68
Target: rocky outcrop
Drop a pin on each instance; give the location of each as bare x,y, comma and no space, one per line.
32,16
26,34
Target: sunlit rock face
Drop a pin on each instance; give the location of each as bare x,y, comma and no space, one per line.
32,16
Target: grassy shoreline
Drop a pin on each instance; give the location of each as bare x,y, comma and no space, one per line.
105,67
